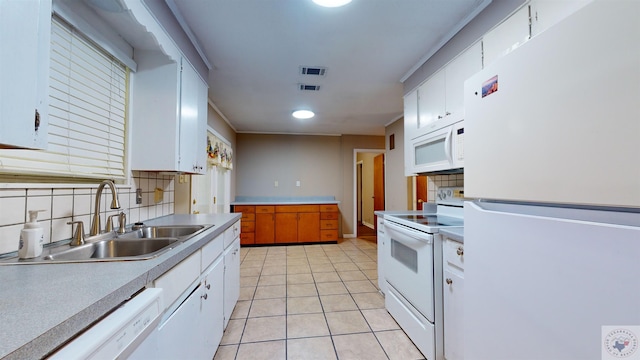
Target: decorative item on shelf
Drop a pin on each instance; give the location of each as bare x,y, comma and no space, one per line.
219,153
230,159
213,150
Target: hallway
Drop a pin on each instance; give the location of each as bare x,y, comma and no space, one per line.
312,302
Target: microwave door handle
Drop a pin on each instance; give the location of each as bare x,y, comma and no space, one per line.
447,145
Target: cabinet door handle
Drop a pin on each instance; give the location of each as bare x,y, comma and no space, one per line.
460,251
204,296
37,121
449,281
208,286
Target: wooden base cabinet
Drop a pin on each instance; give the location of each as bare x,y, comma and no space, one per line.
329,218
297,223
247,223
265,224
288,224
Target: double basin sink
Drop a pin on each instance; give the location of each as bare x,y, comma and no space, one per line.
140,244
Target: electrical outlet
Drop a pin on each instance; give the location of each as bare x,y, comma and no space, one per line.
298,183
275,183
138,196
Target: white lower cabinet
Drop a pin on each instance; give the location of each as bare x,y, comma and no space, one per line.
211,309
200,294
453,292
231,278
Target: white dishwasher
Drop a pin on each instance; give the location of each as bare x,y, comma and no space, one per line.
128,332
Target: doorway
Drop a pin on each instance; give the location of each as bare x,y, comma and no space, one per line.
368,191
211,192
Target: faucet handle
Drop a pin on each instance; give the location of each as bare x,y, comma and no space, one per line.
78,236
122,219
109,226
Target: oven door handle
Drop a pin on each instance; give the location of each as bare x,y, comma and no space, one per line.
408,232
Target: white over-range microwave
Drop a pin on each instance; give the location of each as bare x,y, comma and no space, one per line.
439,150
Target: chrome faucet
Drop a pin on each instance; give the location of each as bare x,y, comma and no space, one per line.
95,224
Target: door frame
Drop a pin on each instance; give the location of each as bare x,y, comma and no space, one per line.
355,186
214,175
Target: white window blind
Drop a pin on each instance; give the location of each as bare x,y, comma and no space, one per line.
87,113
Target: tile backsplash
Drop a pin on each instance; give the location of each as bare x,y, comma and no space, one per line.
436,181
75,202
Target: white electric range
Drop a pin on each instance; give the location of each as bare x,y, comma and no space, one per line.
412,268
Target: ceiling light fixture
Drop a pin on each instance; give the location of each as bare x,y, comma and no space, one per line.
303,114
332,3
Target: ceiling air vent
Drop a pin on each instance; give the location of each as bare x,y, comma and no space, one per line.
306,87
313,70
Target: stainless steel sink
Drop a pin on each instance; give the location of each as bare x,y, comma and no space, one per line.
121,249
144,243
169,231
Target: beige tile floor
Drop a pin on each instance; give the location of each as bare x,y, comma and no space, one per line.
312,302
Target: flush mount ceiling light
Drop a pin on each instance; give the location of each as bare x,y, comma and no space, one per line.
332,3
303,114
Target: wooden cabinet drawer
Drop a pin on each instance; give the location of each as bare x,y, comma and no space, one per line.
328,208
248,217
329,215
297,208
248,226
247,238
328,224
244,208
263,209
329,235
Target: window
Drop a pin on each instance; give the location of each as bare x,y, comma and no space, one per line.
88,94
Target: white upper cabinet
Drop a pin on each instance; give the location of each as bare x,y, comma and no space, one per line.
457,71
441,97
169,115
507,36
431,100
24,73
545,13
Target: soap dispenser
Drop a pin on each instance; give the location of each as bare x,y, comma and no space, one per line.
31,237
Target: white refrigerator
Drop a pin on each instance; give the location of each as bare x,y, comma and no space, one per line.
552,159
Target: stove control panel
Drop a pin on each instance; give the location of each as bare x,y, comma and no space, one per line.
450,194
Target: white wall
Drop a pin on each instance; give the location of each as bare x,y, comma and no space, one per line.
264,159
398,190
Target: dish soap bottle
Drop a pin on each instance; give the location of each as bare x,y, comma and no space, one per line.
31,237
